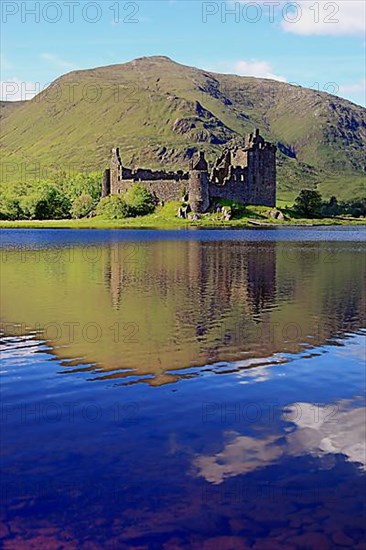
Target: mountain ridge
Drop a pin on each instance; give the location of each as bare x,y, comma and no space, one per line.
160,112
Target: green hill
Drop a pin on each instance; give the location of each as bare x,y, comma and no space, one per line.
160,112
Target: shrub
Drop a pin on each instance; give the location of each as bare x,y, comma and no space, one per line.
50,204
113,207
29,204
355,207
55,198
330,208
10,208
81,184
140,200
308,203
82,206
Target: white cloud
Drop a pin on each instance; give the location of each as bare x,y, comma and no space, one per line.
323,17
355,88
344,17
253,67
57,61
354,91
257,68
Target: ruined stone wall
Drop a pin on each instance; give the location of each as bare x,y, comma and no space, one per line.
164,189
244,175
254,184
262,176
234,188
165,186
157,175
115,167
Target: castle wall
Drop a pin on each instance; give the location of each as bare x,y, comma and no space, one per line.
262,176
234,189
165,186
253,184
115,167
244,175
164,189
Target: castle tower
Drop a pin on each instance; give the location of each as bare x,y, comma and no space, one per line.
198,188
115,170
261,171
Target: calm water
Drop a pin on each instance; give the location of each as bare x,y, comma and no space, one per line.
184,389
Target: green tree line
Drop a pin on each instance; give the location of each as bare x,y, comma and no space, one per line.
79,196
72,197
310,204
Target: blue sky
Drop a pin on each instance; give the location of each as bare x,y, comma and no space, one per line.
315,44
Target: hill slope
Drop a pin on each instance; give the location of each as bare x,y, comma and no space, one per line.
160,112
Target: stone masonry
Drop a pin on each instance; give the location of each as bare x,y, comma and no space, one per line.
246,175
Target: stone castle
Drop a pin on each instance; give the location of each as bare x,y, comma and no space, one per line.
246,175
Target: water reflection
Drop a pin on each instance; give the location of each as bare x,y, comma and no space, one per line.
318,431
149,308
205,462
163,476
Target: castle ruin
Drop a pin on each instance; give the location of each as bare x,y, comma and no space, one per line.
246,175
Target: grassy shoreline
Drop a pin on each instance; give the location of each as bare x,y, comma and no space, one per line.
141,223
165,218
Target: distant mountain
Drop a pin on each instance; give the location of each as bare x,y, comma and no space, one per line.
160,113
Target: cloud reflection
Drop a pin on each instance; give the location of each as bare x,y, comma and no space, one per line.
319,431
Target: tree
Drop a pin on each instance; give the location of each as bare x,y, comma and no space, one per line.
10,208
113,207
140,200
29,204
308,203
45,203
52,204
330,208
355,207
74,185
82,206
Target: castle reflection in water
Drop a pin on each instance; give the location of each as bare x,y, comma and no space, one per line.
233,298
152,307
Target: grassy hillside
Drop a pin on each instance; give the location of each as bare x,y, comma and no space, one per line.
160,113
7,107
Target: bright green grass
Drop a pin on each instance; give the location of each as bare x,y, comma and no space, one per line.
286,200
165,218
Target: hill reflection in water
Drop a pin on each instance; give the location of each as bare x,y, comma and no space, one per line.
149,308
267,455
